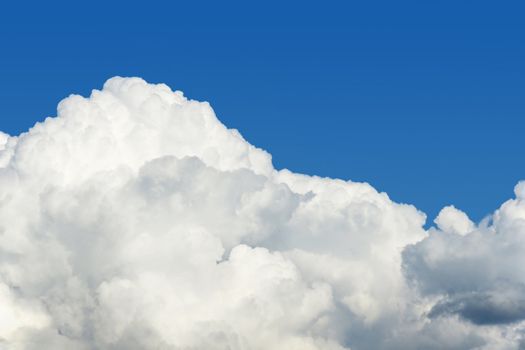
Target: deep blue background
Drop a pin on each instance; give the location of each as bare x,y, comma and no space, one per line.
423,101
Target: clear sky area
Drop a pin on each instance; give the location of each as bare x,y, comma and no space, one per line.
423,100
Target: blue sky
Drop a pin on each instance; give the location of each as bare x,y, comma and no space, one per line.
423,101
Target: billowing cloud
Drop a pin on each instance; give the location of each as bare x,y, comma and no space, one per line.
136,220
478,275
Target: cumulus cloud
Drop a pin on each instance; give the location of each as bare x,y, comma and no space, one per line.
477,275
136,220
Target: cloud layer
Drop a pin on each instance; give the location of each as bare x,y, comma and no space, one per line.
136,220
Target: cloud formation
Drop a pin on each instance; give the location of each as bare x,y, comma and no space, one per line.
479,272
136,220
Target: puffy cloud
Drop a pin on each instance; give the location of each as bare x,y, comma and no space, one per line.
136,220
453,220
477,273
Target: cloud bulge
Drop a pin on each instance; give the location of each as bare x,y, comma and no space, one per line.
136,220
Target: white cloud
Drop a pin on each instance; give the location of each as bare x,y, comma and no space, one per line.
475,274
453,220
136,220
